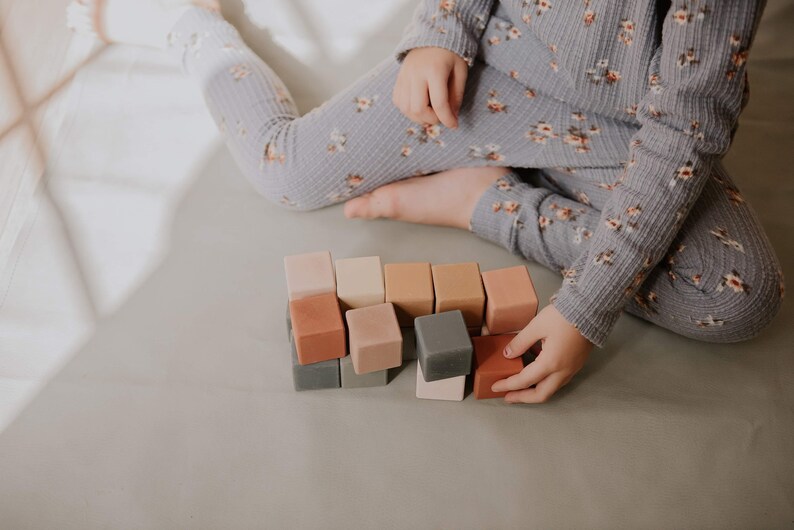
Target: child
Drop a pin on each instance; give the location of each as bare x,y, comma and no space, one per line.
585,135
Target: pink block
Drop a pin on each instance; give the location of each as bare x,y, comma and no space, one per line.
309,275
376,342
450,389
511,299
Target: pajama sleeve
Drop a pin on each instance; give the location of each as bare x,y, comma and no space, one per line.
455,25
687,117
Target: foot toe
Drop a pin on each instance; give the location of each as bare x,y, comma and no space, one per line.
380,203
357,207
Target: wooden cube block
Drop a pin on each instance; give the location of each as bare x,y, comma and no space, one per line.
450,389
318,328
458,286
443,346
409,344
350,379
409,286
359,282
309,275
375,339
315,376
490,365
512,301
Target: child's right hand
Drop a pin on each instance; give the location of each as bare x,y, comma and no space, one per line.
429,86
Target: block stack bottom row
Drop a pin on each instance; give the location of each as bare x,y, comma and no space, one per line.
451,318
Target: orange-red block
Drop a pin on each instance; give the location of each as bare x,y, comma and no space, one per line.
490,365
318,329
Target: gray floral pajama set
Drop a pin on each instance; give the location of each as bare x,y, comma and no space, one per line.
614,115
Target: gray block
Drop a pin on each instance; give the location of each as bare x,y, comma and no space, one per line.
315,376
409,344
350,379
443,346
289,322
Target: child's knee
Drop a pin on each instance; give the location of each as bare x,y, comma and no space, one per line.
741,306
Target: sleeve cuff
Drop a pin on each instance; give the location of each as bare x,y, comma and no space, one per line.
594,325
455,40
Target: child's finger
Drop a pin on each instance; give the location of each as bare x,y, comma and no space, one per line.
532,374
457,86
420,103
523,340
542,391
439,100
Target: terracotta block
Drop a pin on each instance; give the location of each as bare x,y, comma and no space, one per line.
309,275
409,286
443,346
458,286
512,301
318,328
315,376
490,365
359,282
376,342
450,389
350,379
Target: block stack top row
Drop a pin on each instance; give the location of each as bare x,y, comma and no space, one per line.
418,289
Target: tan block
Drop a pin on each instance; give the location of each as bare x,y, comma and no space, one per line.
359,282
376,342
317,328
512,301
458,286
309,275
450,389
409,286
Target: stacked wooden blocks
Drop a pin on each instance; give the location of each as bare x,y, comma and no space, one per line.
451,318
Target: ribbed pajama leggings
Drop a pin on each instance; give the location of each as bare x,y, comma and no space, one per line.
545,210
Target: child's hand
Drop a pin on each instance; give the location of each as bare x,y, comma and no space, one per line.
564,352
429,86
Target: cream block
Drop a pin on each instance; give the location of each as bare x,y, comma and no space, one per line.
359,282
309,275
450,389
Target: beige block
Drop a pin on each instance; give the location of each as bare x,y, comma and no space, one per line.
376,342
458,286
450,389
309,275
409,286
359,282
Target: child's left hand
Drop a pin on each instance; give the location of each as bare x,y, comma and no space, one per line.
563,354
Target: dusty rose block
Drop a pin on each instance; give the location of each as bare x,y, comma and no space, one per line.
490,364
450,389
359,282
459,286
376,342
317,328
512,301
309,275
409,286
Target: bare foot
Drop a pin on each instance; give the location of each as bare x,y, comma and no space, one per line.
138,22
447,198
